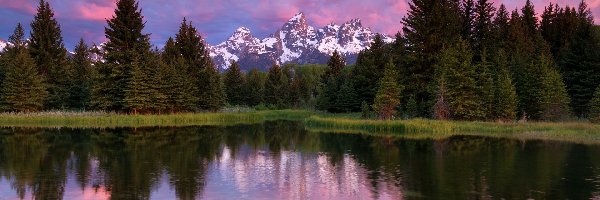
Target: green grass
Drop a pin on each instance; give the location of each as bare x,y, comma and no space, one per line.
111,120
579,132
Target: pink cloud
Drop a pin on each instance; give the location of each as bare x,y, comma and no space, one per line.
18,5
94,12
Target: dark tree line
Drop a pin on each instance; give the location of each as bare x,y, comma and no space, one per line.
470,60
463,60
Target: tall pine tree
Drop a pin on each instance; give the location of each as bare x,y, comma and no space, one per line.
47,49
428,27
255,87
23,89
460,82
126,43
80,75
275,85
234,82
387,98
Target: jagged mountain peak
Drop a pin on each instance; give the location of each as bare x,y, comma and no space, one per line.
353,22
241,34
295,42
298,18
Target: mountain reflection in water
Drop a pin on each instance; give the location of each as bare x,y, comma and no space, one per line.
280,160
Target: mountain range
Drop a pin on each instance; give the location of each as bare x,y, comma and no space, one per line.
295,42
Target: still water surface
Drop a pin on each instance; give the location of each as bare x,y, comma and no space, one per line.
280,160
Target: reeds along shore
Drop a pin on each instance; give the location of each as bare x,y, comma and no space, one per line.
580,132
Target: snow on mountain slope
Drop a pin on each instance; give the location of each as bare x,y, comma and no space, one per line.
3,45
294,42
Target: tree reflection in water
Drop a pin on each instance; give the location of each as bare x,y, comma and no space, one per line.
280,160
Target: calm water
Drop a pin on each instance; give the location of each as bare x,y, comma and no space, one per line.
279,160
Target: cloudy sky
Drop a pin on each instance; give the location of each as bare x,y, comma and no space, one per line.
217,19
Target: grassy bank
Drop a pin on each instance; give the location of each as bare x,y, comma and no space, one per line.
111,120
580,132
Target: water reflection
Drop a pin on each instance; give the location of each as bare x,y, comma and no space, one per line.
279,160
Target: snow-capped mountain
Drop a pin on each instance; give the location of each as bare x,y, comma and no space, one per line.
294,42
3,45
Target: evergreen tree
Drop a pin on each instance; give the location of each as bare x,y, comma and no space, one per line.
501,27
485,86
328,94
332,82
505,95
529,19
335,65
468,20
594,107
275,85
126,42
17,42
254,88
204,74
101,87
47,49
79,87
212,95
179,89
428,26
461,82
483,32
554,99
388,95
347,98
138,94
545,95
580,62
234,81
369,68
22,88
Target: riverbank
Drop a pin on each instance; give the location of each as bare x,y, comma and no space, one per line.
580,132
114,120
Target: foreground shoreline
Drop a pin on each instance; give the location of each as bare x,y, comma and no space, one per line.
579,132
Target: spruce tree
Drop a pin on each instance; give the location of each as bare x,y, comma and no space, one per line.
580,62
554,101
275,85
347,98
180,88
501,28
212,95
505,95
81,75
461,82
335,65
387,98
483,28
234,82
126,43
485,86
468,20
594,107
203,72
332,81
138,93
428,26
47,49
368,70
254,87
22,89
